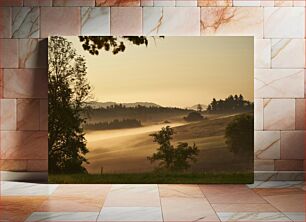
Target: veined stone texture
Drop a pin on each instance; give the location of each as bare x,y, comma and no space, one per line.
278,27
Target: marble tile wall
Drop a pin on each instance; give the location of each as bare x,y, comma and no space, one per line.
277,25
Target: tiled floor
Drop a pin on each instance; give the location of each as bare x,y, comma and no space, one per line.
261,201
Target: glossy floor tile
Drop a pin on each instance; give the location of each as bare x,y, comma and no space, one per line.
296,216
26,189
185,190
230,194
271,201
63,216
130,214
251,216
18,208
277,184
71,204
262,207
133,195
187,209
284,199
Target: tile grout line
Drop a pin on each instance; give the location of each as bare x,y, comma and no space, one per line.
278,210
209,203
104,202
160,203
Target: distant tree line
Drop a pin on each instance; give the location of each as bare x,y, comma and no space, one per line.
118,111
115,124
231,103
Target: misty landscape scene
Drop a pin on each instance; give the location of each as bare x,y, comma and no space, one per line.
151,109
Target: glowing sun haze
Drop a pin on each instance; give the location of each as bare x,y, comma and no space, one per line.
174,71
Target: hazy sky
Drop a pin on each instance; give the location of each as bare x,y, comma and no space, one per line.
174,71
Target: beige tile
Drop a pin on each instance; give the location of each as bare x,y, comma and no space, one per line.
149,214
73,2
279,114
25,22
230,194
171,21
299,3
146,2
258,114
264,165
246,3
91,191
283,3
126,21
118,3
207,3
37,2
9,53
32,53
292,144
267,3
267,145
71,204
1,83
18,208
37,165
279,83
5,22
263,207
95,21
181,190
187,209
304,83
262,50
278,22
8,114
253,216
13,165
24,145
163,3
232,21
289,165
5,3
51,17
133,196
43,114
27,114
300,114
186,3
285,199
284,50
25,83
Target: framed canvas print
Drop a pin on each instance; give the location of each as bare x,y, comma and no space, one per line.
137,109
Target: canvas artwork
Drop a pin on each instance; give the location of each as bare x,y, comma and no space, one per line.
137,109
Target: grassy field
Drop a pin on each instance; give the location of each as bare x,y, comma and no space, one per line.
146,178
125,150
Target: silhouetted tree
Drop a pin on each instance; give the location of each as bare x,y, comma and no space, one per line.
199,108
169,157
239,135
93,44
68,90
214,105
